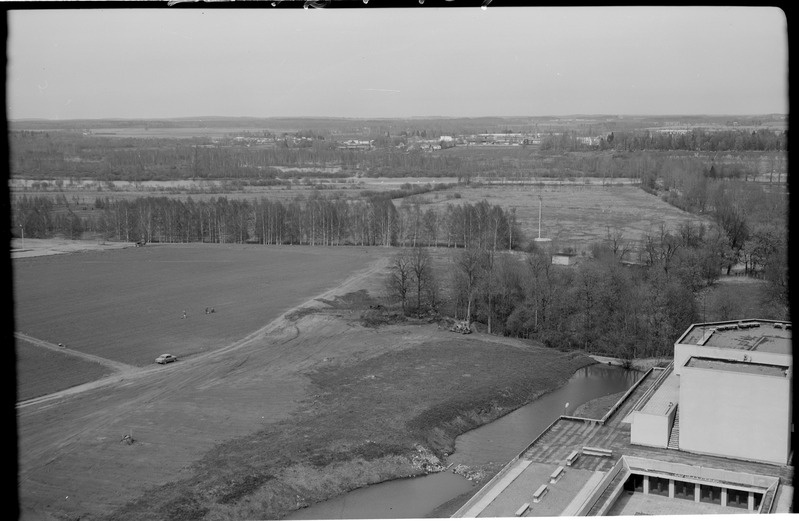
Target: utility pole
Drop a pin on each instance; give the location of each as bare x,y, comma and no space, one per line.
539,216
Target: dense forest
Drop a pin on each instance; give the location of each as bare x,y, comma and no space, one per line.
602,305
315,221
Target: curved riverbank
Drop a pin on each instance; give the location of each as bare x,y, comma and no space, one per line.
430,435
380,404
479,454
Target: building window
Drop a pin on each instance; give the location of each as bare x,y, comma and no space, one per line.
737,498
684,490
710,494
635,483
659,486
758,499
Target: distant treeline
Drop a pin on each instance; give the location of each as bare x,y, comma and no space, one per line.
316,221
694,140
46,155
61,154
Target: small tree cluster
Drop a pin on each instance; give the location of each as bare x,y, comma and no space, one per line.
411,281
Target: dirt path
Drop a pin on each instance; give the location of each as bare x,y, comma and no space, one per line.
40,247
113,364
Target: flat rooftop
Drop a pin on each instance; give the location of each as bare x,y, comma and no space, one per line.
666,395
748,335
734,366
519,491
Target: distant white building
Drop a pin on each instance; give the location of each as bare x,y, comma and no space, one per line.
355,144
564,259
446,142
590,141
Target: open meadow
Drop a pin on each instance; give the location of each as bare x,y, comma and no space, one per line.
82,194
127,305
42,371
574,215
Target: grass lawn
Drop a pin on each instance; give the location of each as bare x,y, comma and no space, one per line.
597,408
54,371
574,215
733,298
126,305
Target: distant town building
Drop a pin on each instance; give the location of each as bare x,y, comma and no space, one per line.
446,142
356,144
590,141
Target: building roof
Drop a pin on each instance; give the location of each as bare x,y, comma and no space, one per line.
734,366
750,335
665,396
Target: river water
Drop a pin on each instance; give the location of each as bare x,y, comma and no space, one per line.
497,442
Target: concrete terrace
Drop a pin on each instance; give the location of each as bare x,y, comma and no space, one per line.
638,504
768,336
738,367
514,486
667,394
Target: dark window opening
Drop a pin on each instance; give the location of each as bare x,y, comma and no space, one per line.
737,498
710,494
659,486
758,500
635,483
684,490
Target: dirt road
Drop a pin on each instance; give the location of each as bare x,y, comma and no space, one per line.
72,460
113,364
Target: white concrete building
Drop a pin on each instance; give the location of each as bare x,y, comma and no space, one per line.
709,434
729,393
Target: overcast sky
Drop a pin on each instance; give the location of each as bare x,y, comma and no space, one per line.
373,62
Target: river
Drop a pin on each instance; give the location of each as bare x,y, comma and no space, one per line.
497,442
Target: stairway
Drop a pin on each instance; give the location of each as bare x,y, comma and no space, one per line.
674,438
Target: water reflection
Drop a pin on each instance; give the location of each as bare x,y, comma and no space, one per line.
504,438
403,498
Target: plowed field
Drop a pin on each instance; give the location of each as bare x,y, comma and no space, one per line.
127,305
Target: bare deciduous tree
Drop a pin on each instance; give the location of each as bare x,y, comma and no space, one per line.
398,283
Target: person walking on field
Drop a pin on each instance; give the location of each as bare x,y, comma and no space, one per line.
184,314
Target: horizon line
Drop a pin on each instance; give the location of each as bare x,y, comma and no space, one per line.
592,115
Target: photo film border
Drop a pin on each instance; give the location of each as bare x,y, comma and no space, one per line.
339,4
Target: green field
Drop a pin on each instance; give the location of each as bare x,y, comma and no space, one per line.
126,305
574,215
54,371
736,297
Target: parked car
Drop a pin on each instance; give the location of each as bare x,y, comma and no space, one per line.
166,358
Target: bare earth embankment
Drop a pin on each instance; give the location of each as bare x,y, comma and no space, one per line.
309,406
